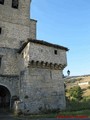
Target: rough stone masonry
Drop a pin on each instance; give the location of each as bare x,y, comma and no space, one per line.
31,70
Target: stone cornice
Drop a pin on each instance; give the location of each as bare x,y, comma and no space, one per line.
46,65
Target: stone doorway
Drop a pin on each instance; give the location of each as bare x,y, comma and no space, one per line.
5,97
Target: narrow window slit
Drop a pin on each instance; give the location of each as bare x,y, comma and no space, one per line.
15,4
55,52
0,30
0,60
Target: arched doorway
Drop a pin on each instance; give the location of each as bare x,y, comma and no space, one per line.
4,97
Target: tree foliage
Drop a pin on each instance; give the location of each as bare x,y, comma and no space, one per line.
75,92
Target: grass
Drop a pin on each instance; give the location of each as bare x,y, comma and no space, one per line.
82,112
62,113
52,115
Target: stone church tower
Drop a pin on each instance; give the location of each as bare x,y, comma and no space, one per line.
30,70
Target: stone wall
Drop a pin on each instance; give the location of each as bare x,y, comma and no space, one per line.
43,56
11,83
36,74
46,54
19,16
44,88
9,61
16,24
41,78
12,34
23,59
33,28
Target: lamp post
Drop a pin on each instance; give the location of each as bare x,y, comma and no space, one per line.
68,72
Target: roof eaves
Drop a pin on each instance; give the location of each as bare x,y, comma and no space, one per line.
42,43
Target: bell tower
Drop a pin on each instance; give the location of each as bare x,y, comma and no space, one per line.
15,22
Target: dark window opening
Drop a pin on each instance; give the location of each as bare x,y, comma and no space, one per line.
0,30
22,55
55,52
0,61
2,2
15,4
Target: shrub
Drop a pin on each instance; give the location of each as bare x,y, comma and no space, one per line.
78,105
75,93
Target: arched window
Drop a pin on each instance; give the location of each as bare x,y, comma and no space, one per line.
2,2
15,4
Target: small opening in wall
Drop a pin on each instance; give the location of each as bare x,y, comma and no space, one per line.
55,52
0,61
15,4
22,54
2,2
0,30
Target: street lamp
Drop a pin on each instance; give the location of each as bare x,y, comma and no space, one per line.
68,72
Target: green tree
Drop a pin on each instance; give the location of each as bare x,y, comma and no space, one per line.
76,92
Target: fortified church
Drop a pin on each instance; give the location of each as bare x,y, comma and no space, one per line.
31,70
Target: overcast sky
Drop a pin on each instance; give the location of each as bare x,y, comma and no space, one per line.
67,23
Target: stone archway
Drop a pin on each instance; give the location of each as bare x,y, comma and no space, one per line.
5,97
